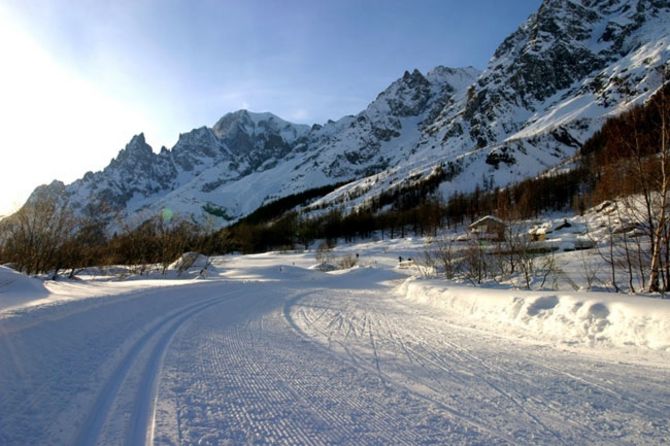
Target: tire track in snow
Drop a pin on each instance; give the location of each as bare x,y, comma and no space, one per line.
384,422
642,406
91,429
523,385
374,349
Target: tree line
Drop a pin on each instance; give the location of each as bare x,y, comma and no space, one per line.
628,159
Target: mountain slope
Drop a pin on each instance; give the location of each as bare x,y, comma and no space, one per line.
546,89
245,159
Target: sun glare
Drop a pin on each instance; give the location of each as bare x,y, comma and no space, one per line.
55,122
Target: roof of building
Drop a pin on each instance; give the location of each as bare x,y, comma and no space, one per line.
486,218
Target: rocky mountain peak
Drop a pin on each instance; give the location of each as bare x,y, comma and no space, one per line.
196,137
138,140
406,96
547,53
414,78
232,122
564,44
53,191
137,150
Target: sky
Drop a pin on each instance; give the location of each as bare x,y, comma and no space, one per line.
79,78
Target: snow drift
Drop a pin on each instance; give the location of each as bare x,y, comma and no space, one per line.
592,319
190,260
17,288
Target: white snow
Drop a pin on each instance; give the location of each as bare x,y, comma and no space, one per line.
190,261
17,289
584,319
266,350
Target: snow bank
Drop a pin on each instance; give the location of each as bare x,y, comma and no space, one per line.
17,288
189,260
572,318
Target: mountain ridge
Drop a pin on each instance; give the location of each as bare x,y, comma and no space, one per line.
547,88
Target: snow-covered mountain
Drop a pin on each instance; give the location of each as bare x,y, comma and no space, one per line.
247,159
546,89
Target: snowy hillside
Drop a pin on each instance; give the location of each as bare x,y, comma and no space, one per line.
546,89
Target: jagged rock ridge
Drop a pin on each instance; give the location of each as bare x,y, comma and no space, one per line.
547,88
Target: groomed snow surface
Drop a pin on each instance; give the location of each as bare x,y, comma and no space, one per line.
265,350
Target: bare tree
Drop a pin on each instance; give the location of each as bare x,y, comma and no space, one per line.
33,238
661,198
474,264
324,252
172,238
441,254
589,270
645,189
610,256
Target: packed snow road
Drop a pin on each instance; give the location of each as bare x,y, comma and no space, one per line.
301,357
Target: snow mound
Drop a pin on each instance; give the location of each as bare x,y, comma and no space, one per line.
589,319
190,260
17,288
324,267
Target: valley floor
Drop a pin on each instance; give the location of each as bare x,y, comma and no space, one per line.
267,352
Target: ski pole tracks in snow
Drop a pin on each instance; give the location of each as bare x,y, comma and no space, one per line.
153,343
361,351
517,392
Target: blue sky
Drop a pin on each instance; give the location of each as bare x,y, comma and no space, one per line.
87,75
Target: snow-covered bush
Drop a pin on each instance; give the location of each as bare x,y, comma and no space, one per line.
346,262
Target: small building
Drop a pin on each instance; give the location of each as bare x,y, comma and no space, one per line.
488,227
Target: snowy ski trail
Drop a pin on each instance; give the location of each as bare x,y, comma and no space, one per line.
153,344
534,392
298,357
113,401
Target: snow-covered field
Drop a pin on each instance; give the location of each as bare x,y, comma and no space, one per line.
266,350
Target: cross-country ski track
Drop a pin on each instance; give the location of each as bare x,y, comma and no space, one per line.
292,356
